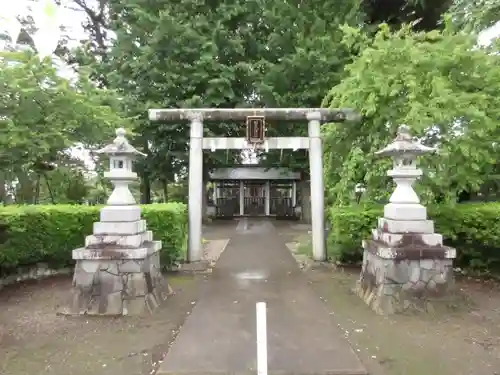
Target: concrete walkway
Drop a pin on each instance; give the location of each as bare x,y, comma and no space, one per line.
219,335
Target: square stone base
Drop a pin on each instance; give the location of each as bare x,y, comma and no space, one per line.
391,286
117,286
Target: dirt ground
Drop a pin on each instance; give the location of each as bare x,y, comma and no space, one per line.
462,337
34,340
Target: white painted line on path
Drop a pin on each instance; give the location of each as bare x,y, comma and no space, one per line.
261,309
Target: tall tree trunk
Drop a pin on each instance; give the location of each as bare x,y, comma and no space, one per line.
145,188
3,190
165,190
146,178
25,189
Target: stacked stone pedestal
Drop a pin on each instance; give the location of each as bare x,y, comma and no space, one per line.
405,265
118,271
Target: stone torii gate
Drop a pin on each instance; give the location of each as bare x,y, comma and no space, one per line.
198,143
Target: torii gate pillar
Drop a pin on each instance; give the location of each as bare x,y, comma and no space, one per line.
198,143
317,186
195,199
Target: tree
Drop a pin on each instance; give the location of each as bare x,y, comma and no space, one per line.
44,114
223,53
475,15
441,85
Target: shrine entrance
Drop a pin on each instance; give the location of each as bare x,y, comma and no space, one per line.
227,201
283,199
255,139
251,190
254,198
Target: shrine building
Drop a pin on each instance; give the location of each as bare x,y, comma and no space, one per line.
252,190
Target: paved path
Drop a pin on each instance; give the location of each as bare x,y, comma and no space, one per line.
219,335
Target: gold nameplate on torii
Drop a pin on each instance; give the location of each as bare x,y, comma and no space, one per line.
256,129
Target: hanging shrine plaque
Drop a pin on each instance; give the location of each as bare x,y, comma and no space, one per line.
255,129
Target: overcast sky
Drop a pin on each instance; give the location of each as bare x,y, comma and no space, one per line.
489,34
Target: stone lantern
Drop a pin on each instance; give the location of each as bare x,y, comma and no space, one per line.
118,271
121,155
404,262
404,152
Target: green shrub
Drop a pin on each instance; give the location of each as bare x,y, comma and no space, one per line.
48,233
350,225
169,223
473,228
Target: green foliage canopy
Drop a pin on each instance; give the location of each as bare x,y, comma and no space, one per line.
43,114
440,84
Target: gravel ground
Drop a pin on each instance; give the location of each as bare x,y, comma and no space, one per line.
35,340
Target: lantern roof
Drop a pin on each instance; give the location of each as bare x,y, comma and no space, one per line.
404,144
120,146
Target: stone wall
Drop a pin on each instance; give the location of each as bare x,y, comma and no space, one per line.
397,285
36,272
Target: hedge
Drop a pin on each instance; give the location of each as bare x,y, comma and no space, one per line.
48,233
472,228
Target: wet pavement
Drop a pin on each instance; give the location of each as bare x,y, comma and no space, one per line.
219,336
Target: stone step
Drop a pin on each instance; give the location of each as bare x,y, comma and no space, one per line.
124,213
403,211
130,241
119,228
116,253
407,239
406,226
